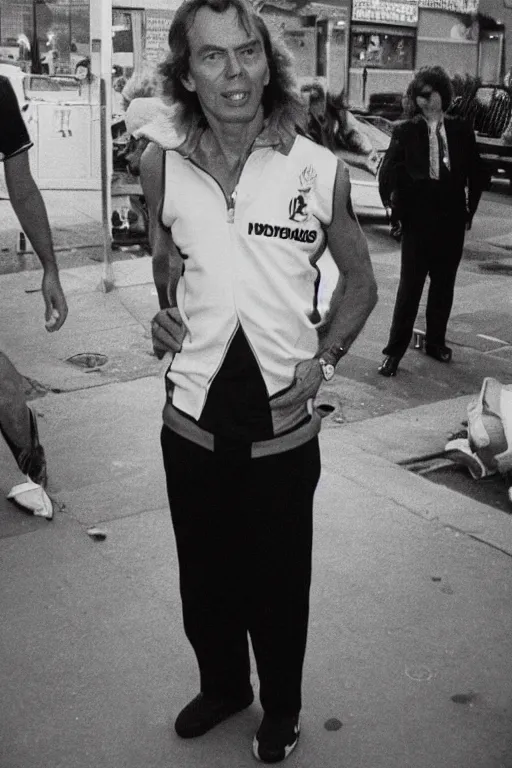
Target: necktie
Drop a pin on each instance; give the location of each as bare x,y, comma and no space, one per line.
442,153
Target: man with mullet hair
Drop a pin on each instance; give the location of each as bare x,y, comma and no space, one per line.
238,315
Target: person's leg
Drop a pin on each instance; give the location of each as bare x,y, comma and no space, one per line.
18,424
201,489
445,262
14,413
279,508
413,271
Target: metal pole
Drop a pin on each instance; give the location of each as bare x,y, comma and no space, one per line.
348,43
34,50
70,32
107,281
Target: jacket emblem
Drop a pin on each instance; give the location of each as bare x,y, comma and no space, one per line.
298,207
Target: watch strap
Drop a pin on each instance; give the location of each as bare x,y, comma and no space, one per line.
334,353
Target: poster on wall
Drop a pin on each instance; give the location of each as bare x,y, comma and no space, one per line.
157,30
401,12
456,6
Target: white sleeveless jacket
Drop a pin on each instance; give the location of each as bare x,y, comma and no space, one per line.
248,261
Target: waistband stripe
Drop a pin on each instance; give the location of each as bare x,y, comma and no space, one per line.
188,429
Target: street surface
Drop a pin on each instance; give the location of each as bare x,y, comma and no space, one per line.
357,389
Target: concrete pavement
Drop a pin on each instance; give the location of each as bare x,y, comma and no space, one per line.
76,222
411,592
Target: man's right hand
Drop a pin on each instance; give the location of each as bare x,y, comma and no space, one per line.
56,309
167,331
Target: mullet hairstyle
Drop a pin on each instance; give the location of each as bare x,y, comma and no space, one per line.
281,100
436,78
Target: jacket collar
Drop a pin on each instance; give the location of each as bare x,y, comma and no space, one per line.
170,131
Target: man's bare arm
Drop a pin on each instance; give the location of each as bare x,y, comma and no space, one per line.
355,295
353,300
166,261
30,209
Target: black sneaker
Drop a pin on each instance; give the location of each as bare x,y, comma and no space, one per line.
205,712
276,738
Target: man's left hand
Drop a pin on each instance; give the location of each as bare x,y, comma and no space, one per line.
308,377
56,307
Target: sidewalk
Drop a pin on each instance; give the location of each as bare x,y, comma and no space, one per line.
77,229
410,597
494,250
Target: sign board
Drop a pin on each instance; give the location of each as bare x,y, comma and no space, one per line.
326,11
456,6
157,30
386,11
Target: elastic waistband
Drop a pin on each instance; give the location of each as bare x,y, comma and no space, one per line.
188,429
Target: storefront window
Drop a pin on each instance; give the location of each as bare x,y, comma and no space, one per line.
50,41
127,39
382,49
45,38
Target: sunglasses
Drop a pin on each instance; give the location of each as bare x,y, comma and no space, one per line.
425,94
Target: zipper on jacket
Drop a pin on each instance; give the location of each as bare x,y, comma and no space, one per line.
219,365
230,201
231,205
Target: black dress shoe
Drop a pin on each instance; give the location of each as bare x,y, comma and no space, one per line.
389,366
438,352
205,712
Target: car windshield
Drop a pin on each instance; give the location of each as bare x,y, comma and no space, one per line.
380,123
42,84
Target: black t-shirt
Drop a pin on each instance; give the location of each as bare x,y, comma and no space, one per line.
237,406
14,136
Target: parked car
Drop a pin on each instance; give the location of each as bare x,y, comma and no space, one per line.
387,104
489,110
365,188
30,87
16,77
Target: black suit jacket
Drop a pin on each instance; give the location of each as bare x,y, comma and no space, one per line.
404,176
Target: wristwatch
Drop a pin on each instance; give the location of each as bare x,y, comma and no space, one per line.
329,359
327,368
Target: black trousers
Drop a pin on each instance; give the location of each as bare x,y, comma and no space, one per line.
243,532
434,248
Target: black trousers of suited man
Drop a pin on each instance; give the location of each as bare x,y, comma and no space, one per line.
432,244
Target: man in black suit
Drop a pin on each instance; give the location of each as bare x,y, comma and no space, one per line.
431,178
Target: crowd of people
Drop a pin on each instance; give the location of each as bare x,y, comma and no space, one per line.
245,191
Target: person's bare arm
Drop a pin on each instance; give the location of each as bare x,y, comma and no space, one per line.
30,209
356,293
353,299
167,327
152,182
166,261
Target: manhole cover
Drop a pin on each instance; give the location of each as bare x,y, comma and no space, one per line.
88,360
